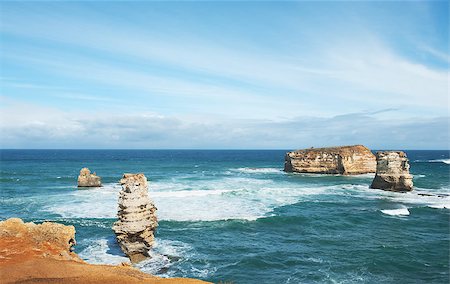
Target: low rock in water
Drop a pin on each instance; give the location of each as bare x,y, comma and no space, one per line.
86,179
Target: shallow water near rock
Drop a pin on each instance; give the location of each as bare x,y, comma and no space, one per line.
236,216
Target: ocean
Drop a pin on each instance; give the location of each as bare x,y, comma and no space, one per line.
234,215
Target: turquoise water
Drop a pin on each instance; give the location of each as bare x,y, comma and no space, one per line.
235,216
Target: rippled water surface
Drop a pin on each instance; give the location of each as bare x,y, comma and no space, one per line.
235,216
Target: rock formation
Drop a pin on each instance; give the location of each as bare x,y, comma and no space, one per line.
32,253
137,218
392,172
344,160
48,239
86,179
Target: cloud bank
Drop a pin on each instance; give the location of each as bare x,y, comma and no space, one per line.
29,126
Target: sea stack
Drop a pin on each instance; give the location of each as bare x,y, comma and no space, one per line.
137,218
86,179
392,172
344,160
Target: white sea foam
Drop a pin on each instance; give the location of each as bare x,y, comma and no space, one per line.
188,193
221,199
163,254
396,212
103,251
368,175
418,176
445,161
236,197
258,170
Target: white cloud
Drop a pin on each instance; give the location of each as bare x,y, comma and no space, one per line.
31,126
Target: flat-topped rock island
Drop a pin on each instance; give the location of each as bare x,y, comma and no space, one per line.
344,160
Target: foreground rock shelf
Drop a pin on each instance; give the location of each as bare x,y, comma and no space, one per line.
344,160
31,253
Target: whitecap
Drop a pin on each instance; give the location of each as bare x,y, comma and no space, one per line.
396,212
439,206
445,161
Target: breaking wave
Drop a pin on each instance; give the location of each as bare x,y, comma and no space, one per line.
396,212
163,255
228,198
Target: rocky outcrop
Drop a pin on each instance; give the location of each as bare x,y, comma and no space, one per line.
41,253
50,240
344,160
86,179
137,218
392,172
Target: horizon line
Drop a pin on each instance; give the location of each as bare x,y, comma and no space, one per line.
202,149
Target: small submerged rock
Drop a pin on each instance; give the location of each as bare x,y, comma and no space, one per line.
137,218
392,172
86,179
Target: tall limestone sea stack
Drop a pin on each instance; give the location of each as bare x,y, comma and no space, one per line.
137,218
86,179
392,172
344,160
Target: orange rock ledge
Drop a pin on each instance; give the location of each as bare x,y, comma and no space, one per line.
42,253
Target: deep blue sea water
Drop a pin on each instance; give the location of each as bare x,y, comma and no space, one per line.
235,216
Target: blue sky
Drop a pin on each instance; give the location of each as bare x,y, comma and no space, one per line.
272,75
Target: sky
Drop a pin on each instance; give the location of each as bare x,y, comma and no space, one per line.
224,75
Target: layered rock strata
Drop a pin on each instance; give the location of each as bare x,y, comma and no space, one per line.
392,172
344,160
41,253
86,179
137,218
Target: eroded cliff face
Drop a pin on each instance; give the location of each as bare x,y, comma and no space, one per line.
41,253
86,179
137,218
49,240
392,172
345,160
